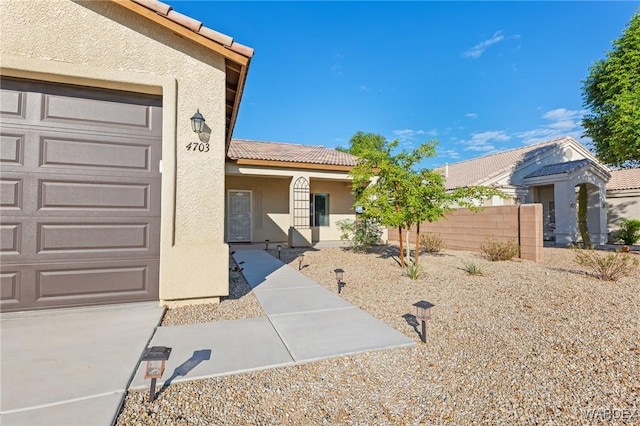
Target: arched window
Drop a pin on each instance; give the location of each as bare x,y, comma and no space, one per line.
301,203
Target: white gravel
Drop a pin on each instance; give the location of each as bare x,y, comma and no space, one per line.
526,343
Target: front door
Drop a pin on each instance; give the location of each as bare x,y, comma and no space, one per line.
239,216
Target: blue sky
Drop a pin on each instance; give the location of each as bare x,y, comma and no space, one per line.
479,77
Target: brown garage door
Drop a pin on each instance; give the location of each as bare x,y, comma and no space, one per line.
80,196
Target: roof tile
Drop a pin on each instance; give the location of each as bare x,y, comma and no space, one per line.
184,20
477,170
624,179
154,5
196,26
288,153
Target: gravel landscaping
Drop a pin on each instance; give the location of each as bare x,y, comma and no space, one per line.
525,343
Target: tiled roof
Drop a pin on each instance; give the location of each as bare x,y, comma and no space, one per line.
478,170
559,168
624,179
288,153
195,26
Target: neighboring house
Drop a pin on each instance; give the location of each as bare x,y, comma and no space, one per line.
102,201
548,173
623,196
286,192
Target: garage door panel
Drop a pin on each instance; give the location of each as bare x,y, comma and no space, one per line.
95,112
11,150
80,196
10,239
32,239
13,103
95,154
11,194
77,284
10,288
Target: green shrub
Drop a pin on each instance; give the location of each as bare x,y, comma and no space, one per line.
496,250
431,243
361,234
606,266
629,232
472,268
413,271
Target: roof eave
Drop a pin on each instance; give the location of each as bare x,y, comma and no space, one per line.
232,57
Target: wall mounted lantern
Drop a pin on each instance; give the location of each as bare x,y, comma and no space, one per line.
197,122
339,275
423,313
155,357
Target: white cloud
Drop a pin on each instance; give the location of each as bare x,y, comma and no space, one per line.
476,51
482,141
336,69
408,134
449,153
471,115
364,88
562,122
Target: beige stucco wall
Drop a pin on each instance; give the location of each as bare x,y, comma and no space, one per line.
269,205
340,207
624,204
103,45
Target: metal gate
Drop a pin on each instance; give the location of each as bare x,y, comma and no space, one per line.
239,216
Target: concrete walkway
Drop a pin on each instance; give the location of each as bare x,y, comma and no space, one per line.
71,366
74,366
304,322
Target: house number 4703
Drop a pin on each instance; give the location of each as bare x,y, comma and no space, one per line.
201,147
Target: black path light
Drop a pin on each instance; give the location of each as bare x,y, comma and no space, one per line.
423,313
339,275
156,356
266,244
300,260
279,251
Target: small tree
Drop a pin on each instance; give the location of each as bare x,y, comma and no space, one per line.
392,191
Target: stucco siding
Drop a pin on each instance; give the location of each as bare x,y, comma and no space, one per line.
340,207
101,44
269,203
623,204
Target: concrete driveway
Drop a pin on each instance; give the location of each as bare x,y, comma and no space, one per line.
71,366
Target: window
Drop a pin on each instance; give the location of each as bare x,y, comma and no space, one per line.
320,209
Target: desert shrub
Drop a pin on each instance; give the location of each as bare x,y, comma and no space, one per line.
496,250
431,243
361,234
472,268
413,270
606,266
629,232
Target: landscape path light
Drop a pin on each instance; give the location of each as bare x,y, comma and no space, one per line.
423,313
266,244
156,357
339,275
300,260
279,251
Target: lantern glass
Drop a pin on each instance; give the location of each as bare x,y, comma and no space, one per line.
197,122
154,370
339,274
423,310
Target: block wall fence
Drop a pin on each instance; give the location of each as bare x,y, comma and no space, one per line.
462,229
